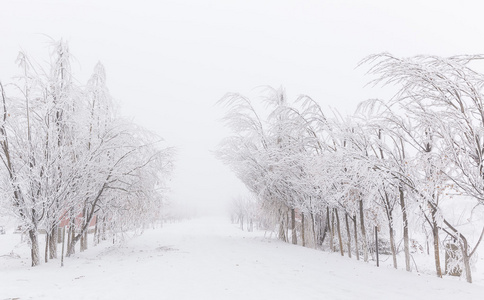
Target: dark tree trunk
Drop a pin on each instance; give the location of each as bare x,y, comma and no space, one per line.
406,243
46,254
34,247
338,227
287,225
53,242
293,226
282,230
104,228
363,232
331,232
63,243
435,233
467,259
71,249
315,238
86,241
303,237
376,247
348,233
95,239
356,238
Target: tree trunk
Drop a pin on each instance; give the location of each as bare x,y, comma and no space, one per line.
85,239
348,233
71,249
34,247
376,247
287,225
326,229
82,247
53,242
95,239
63,243
331,232
46,254
406,245
392,243
466,258
69,238
467,267
282,231
338,227
303,238
356,238
314,230
293,226
363,232
104,228
435,233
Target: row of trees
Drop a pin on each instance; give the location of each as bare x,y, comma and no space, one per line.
244,208
67,158
387,168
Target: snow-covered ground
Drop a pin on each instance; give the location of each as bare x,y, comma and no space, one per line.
212,259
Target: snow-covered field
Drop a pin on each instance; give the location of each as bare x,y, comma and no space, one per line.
212,259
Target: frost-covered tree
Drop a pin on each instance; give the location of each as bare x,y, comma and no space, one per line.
446,93
67,156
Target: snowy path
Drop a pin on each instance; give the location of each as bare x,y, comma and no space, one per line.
211,259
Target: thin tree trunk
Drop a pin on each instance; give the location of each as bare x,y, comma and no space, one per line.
34,247
313,229
348,233
466,258
53,242
63,243
82,247
282,231
406,244
86,242
392,243
69,239
71,249
356,238
287,225
293,226
363,232
389,212
83,237
376,247
338,227
95,239
46,254
303,237
467,266
331,232
435,233
326,229
104,229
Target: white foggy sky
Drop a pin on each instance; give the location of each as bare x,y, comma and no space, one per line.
169,62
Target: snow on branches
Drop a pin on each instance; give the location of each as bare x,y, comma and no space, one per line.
389,165
70,161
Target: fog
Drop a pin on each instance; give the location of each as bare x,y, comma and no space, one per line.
169,62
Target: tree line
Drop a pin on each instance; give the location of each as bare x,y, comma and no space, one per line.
69,160
341,180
